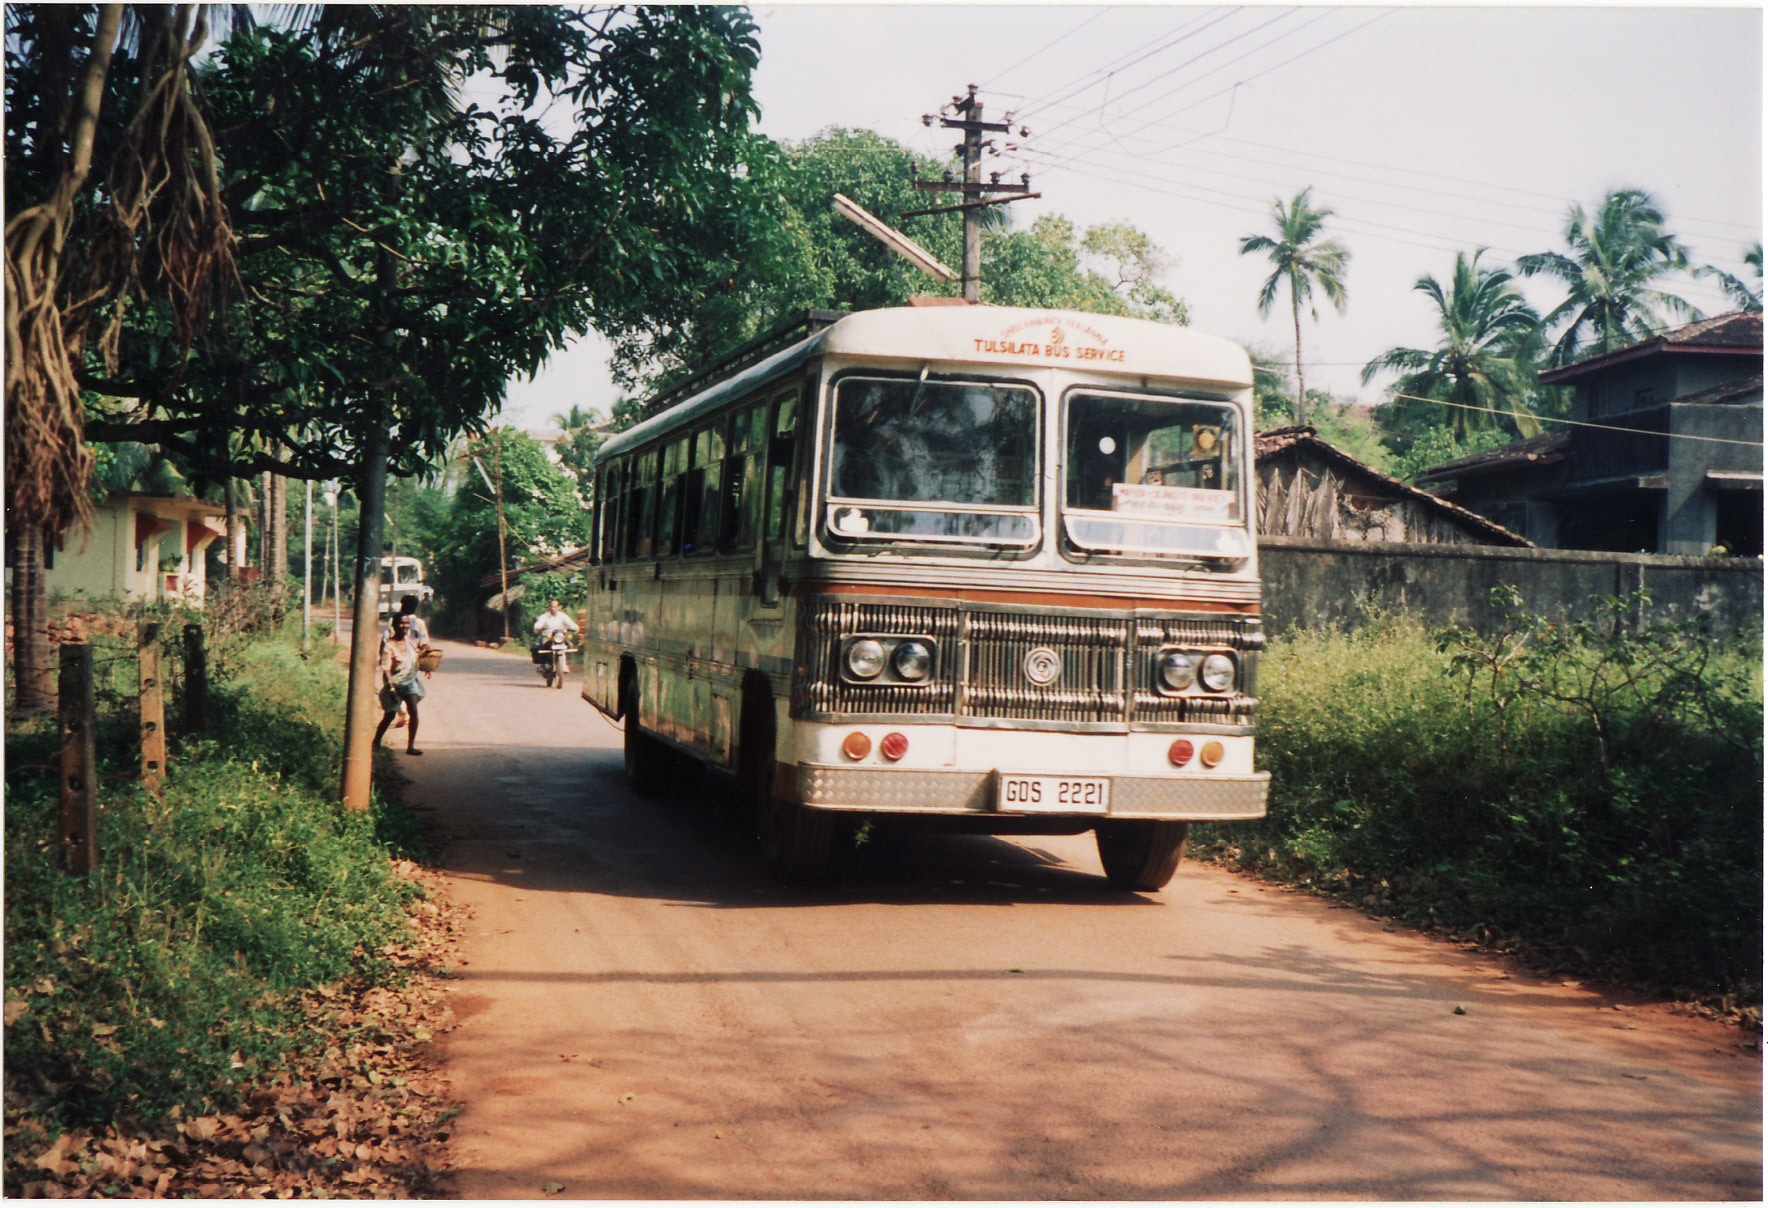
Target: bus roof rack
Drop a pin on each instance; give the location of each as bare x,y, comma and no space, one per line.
796,326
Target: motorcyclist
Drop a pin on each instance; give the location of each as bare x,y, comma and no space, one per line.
552,622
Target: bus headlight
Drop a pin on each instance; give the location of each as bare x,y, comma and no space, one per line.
1177,671
865,659
913,661
1217,673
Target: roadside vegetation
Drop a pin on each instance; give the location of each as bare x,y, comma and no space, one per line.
1587,795
227,1005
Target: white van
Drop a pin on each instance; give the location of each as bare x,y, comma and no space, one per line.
401,577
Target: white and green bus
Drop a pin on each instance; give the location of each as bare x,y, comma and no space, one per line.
980,568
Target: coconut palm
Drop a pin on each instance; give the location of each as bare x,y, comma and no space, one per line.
1611,270
1748,297
1304,260
1482,366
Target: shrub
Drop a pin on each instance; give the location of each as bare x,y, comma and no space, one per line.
1592,788
175,970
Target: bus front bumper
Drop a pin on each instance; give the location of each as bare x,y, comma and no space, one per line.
1194,798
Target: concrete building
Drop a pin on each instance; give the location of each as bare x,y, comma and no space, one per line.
142,548
1664,455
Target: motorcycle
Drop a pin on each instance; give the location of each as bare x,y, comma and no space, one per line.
552,659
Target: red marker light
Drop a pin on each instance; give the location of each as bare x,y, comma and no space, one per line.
1180,752
894,746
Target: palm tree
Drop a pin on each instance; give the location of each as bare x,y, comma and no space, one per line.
1482,367
1747,297
1304,260
576,417
1611,270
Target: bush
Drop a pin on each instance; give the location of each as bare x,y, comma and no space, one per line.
1586,790
174,972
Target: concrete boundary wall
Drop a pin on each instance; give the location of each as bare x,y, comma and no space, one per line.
1312,583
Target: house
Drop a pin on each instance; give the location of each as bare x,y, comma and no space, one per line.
1664,454
141,548
1309,488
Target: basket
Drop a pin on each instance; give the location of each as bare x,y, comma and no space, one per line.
428,659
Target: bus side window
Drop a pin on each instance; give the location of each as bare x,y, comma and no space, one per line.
707,481
605,494
746,478
779,461
668,534
641,504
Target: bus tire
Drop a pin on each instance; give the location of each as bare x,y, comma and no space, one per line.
1140,855
796,841
647,766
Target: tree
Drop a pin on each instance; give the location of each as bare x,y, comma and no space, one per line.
541,513
1747,297
112,197
1047,266
1480,368
1611,270
1303,260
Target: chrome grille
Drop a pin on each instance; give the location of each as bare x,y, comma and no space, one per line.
1089,687
1106,680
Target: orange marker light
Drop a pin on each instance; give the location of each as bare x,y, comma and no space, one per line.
1212,754
856,746
1180,752
894,746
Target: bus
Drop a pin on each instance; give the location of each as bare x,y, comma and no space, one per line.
978,568
401,577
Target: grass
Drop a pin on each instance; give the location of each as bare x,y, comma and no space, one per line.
1587,795
174,974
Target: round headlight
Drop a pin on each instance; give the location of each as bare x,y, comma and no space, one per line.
1217,673
1177,671
913,661
865,659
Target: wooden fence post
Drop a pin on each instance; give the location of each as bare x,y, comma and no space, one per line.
196,681
79,761
153,709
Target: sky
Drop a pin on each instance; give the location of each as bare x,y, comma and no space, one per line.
1426,131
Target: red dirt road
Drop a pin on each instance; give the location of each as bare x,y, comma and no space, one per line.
644,1014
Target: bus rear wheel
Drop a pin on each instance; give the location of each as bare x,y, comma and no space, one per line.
1141,855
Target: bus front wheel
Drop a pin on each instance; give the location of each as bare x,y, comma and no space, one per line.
796,841
1140,855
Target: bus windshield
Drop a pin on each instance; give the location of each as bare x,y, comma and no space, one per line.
935,461
1153,477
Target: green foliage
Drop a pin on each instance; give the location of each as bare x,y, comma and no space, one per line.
543,515
1433,446
1584,790
1613,265
174,971
1484,368
1110,270
405,253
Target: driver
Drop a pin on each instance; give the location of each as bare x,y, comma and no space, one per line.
551,623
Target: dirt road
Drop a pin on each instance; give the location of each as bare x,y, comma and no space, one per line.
645,1015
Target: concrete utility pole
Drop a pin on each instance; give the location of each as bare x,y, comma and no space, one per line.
974,190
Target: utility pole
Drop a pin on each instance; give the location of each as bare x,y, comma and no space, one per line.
976,193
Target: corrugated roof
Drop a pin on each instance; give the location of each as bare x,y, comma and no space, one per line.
1544,449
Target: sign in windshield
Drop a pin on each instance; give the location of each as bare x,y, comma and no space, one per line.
1153,477
937,461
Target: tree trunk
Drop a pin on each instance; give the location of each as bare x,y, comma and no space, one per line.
1301,386
361,707
32,677
230,500
278,568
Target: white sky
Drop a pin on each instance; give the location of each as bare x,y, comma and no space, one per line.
1426,131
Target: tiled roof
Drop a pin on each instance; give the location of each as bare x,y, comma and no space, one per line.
1729,334
1544,449
1726,392
1278,440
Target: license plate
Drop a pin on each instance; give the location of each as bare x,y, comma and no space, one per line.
1053,794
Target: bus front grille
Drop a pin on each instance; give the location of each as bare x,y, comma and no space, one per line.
1097,669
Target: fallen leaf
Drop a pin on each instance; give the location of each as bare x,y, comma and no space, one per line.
550,1188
